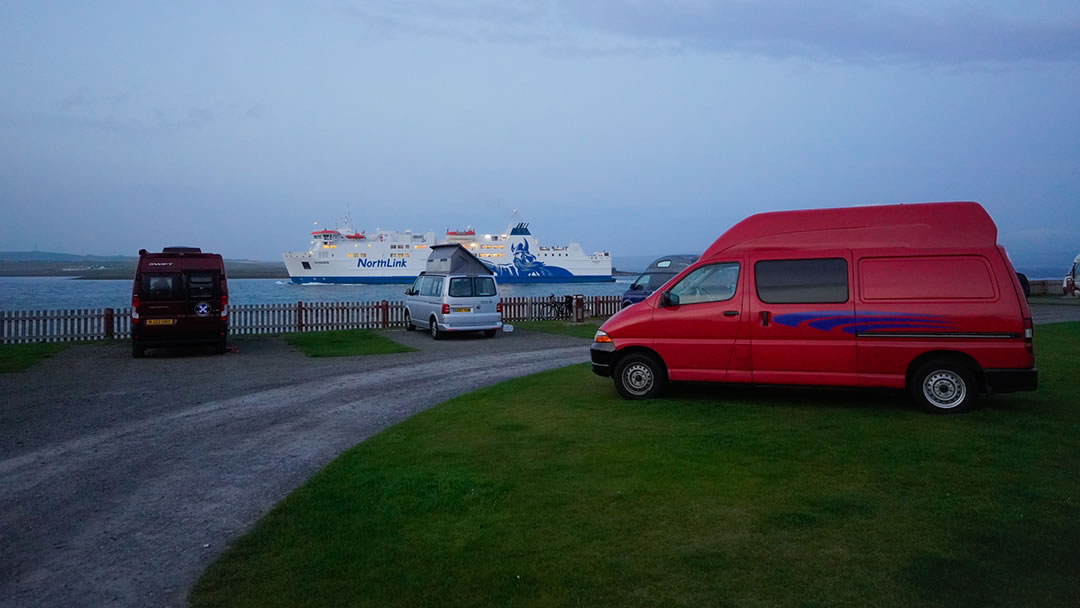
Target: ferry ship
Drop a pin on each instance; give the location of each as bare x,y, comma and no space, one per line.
515,255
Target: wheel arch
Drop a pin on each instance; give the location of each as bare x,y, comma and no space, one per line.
638,349
955,355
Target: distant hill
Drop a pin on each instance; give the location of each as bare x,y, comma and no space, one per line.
52,256
51,264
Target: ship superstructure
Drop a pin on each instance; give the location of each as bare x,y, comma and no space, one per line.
516,256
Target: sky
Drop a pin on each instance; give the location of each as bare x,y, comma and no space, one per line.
634,127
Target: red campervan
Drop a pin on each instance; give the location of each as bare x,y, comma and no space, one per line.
179,296
901,296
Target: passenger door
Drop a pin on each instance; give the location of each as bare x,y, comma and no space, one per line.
802,316
696,328
412,300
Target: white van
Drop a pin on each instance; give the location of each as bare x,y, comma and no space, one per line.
456,293
1071,285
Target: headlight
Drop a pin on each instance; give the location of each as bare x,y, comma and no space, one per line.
601,336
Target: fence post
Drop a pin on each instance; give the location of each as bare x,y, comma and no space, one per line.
579,308
299,317
384,306
108,324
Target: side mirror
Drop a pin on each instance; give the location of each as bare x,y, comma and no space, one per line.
669,299
635,287
409,292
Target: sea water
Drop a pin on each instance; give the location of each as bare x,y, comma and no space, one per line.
36,293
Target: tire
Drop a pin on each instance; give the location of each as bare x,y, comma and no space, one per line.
625,304
639,376
221,346
434,329
137,350
408,322
489,333
944,386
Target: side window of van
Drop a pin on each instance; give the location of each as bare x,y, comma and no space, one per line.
161,286
428,287
815,281
712,283
417,284
432,286
484,286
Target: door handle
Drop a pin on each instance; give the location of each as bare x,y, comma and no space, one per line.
731,313
764,318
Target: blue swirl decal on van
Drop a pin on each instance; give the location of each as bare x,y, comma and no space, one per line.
864,321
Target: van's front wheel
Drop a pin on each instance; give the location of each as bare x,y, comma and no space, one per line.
944,387
639,376
408,322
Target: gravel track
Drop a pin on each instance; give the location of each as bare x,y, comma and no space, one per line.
122,479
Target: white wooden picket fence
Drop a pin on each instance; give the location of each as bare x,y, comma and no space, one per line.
24,326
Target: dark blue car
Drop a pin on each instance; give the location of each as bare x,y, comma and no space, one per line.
655,275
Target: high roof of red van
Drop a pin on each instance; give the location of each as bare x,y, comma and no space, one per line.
176,262
917,225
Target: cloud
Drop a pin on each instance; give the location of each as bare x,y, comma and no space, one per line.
846,30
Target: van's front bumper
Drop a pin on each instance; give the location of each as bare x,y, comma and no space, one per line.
1011,380
603,358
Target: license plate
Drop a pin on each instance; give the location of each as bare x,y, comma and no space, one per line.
463,310
160,321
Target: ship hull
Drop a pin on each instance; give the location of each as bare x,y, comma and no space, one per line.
391,280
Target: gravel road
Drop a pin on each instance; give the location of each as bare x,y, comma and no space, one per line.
121,479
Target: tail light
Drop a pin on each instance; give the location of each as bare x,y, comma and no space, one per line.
445,309
224,307
134,308
498,307
1029,336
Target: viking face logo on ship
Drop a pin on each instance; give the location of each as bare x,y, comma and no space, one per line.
525,261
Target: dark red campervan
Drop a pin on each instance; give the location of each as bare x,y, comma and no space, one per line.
180,296
903,296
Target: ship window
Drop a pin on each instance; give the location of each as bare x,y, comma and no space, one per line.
306,265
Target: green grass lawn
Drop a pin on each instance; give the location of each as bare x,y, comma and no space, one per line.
551,491
566,328
17,357
345,343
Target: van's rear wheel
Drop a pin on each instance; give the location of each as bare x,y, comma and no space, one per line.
944,386
435,333
639,376
137,350
408,322
489,333
221,346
